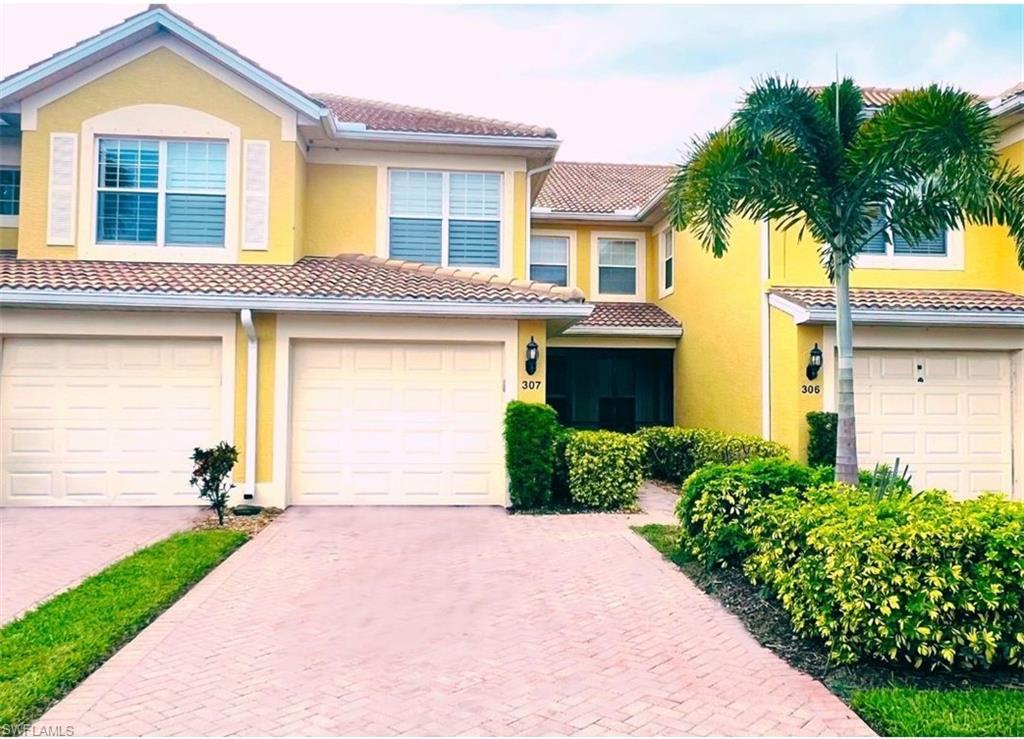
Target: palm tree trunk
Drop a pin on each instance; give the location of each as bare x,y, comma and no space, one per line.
846,432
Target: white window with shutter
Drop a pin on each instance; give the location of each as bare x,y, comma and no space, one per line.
256,195
60,212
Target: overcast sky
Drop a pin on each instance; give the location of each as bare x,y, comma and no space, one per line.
618,83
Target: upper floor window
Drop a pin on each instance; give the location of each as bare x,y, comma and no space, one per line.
153,192
447,218
617,266
667,252
10,190
934,245
549,259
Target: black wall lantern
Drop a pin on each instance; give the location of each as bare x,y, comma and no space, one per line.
532,352
814,363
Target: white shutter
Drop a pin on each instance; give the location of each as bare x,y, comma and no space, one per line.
256,195
60,228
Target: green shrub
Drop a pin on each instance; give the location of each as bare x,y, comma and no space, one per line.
716,498
673,453
821,444
907,578
530,432
560,477
605,469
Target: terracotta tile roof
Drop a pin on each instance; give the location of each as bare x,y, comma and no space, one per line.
626,316
343,277
868,299
586,187
1010,92
380,116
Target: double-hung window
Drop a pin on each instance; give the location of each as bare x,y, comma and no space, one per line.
153,192
667,261
549,259
886,242
616,266
10,190
447,218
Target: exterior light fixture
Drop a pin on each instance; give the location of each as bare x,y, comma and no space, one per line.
814,363
532,352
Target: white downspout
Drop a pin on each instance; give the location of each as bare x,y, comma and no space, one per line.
251,383
529,208
766,344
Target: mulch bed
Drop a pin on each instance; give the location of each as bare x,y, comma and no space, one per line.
249,525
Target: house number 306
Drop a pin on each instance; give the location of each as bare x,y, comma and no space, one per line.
531,384
810,389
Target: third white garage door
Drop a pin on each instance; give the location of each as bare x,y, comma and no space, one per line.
946,414
397,424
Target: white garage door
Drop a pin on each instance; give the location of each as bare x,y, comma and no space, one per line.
400,424
946,414
105,421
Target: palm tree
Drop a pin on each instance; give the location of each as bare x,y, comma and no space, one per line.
818,160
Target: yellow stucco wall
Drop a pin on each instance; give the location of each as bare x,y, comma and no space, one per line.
718,301
532,388
8,238
793,396
341,209
159,77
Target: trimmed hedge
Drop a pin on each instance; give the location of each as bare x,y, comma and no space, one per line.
905,578
673,453
530,433
715,501
605,469
821,443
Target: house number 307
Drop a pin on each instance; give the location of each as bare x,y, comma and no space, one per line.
531,384
810,389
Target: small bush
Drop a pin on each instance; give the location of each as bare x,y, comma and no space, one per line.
907,578
560,478
605,469
715,501
821,444
530,433
673,453
210,471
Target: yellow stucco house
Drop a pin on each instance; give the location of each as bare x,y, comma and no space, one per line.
351,291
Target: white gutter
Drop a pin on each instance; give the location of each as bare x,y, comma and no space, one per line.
343,132
649,331
353,306
251,384
972,318
766,343
548,215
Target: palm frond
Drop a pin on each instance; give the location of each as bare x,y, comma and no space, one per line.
847,112
789,114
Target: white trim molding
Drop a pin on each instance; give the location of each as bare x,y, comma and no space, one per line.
980,319
664,292
643,331
952,260
355,306
640,293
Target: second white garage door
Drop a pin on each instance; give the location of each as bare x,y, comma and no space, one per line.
397,424
946,414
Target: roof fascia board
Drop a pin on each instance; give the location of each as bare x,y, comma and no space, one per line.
548,215
92,299
922,318
184,31
799,313
457,139
650,331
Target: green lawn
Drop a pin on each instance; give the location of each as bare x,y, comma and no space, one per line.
665,539
911,712
47,652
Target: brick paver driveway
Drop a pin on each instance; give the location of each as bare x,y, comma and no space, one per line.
448,621
46,550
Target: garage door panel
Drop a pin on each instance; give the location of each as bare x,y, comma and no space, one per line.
386,423
106,420
949,420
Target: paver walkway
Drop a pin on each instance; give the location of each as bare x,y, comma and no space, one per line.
446,621
46,550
